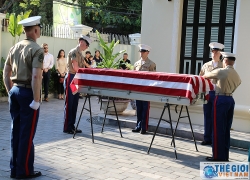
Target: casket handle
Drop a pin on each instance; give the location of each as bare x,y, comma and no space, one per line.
96,91
164,99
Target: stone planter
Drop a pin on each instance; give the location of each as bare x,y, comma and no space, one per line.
120,105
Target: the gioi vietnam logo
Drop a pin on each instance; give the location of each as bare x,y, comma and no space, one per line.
224,170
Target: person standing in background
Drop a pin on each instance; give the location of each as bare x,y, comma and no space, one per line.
124,61
142,107
93,63
48,63
215,63
97,57
86,58
61,69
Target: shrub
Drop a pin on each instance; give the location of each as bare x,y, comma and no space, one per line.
3,91
53,80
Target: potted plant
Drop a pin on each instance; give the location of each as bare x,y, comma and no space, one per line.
109,61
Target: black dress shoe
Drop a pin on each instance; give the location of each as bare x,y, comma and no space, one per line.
143,132
12,176
33,175
73,131
69,132
204,143
78,131
212,159
135,130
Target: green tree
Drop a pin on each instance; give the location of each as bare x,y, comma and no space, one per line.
26,5
29,3
43,8
46,12
116,16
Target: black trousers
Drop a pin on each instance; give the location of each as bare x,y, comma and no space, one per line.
60,88
46,77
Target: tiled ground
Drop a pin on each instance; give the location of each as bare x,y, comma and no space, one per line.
59,156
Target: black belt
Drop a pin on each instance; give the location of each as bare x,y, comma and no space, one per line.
22,85
223,94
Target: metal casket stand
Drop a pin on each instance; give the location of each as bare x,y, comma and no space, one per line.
87,97
167,105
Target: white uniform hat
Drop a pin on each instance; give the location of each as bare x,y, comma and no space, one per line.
31,21
86,38
144,48
216,46
228,55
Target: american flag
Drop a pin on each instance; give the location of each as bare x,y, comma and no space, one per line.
161,83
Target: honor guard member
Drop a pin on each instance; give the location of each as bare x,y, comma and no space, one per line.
142,107
227,82
216,48
23,79
75,60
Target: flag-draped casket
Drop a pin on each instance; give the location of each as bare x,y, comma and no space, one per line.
173,88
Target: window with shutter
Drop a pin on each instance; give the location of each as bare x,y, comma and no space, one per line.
204,22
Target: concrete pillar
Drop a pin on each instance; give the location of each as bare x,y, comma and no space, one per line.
135,40
2,16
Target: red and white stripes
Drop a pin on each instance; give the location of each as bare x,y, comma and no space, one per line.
171,84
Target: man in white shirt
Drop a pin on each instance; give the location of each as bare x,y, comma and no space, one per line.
48,63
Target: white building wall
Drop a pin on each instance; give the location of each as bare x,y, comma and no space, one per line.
161,29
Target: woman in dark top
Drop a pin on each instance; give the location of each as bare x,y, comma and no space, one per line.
97,57
124,61
86,58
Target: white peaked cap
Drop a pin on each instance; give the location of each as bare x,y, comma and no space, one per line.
144,47
227,54
216,46
31,21
85,38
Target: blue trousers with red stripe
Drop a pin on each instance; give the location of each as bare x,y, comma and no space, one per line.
71,104
207,109
23,129
142,110
223,112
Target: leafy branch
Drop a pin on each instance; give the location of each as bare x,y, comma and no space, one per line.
14,28
108,58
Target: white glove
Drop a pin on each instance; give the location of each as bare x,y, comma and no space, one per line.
34,105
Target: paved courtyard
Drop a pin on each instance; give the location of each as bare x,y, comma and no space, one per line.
59,156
